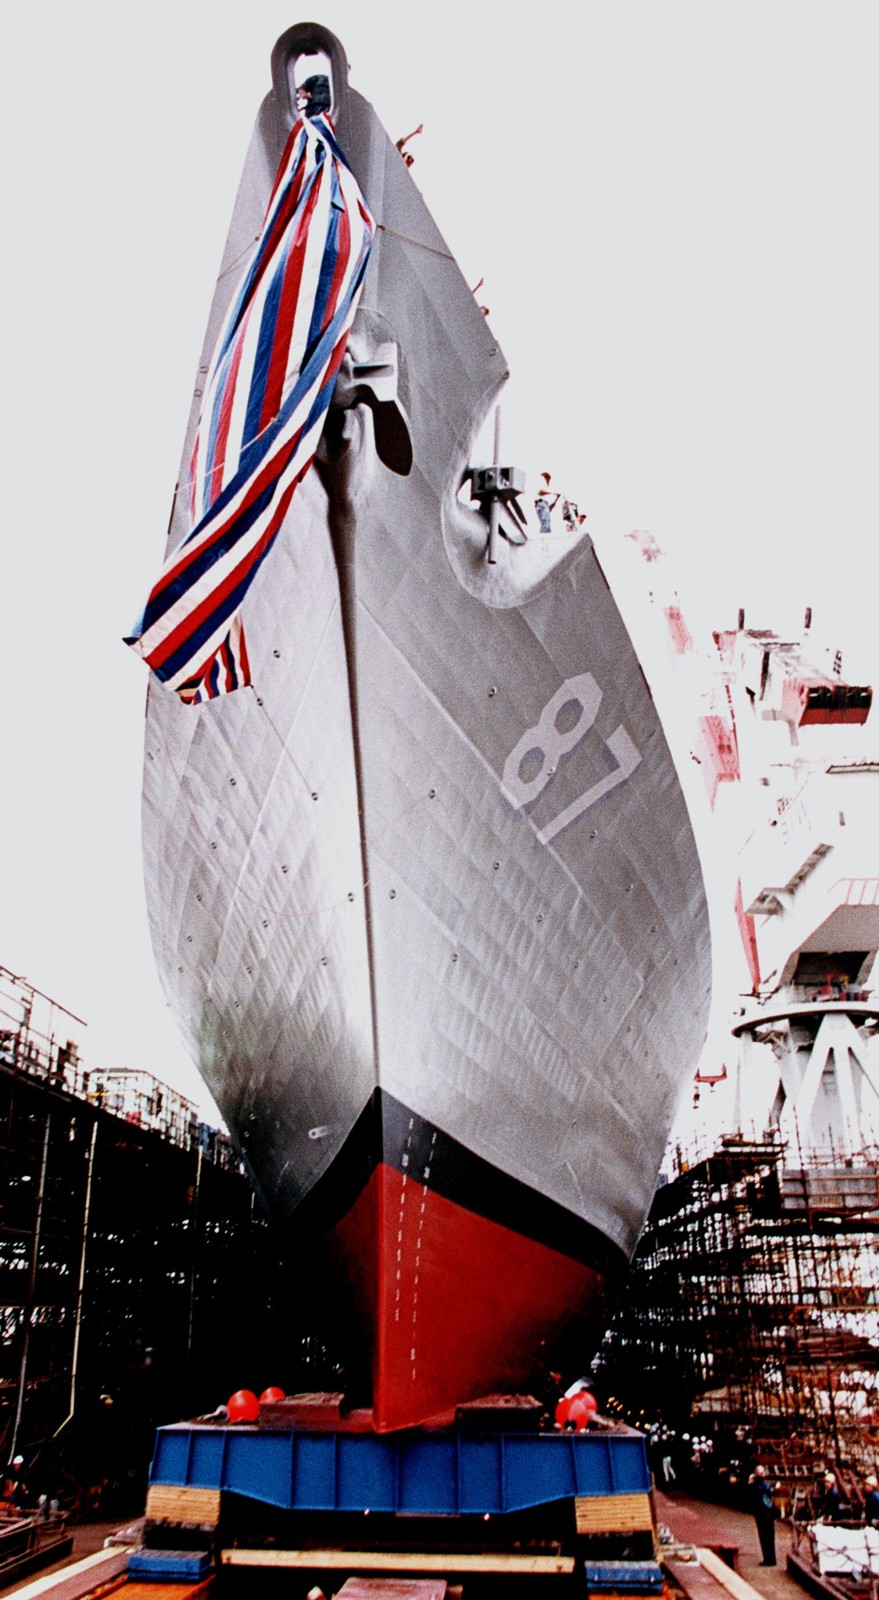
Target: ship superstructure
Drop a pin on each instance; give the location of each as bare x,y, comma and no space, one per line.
426,900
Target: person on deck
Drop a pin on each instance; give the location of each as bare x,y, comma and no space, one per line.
763,1509
15,1496
831,1505
402,143
572,517
871,1499
545,504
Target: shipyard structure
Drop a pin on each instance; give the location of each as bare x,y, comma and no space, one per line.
750,1325
138,1280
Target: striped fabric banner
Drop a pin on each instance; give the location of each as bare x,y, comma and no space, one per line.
267,393
228,669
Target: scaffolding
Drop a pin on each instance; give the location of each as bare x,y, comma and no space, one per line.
139,1281
44,1041
753,1308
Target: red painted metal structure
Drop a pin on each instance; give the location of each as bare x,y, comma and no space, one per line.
446,1290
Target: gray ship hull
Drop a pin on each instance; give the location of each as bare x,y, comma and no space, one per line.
432,878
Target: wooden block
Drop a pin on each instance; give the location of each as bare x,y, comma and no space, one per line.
171,1502
500,1411
307,1411
399,1561
393,1589
614,1513
93,1573
694,1581
168,1591
724,1575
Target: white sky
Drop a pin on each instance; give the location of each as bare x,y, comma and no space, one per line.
673,206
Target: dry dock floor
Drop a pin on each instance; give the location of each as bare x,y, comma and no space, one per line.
699,1523
88,1539
692,1522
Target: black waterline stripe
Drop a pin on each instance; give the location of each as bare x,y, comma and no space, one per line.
387,1131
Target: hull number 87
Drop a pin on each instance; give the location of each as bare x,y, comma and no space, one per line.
563,723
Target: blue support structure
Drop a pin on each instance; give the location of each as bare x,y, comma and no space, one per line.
429,1474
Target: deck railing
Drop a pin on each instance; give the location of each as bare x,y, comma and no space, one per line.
42,1040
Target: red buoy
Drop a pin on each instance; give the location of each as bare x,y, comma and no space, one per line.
581,1409
561,1411
243,1406
576,1410
271,1397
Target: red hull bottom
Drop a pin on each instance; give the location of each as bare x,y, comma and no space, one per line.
456,1306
